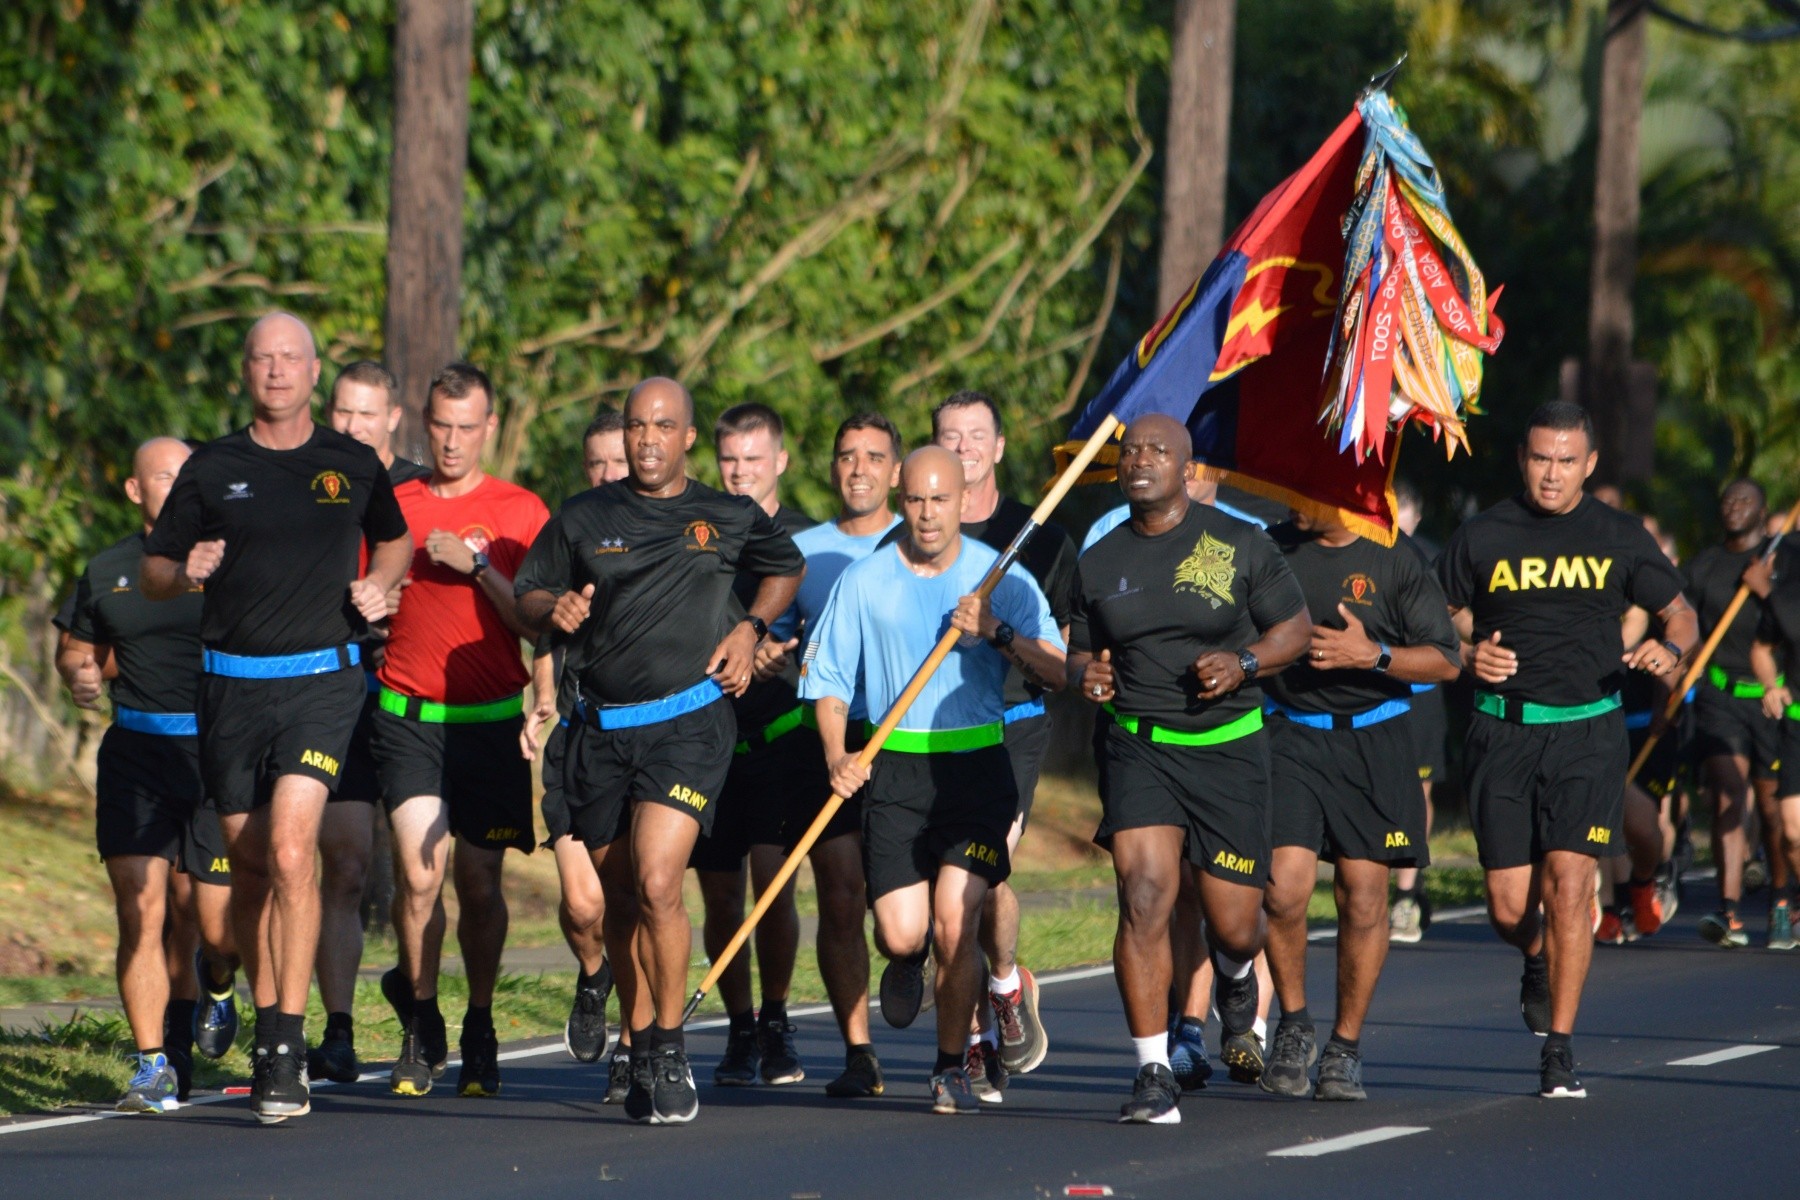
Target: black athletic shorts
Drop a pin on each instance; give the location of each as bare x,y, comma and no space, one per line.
680,763
253,731
1431,730
1348,793
1658,774
150,804
1537,788
475,767
1788,780
1736,725
771,795
360,780
554,805
1027,742
1219,795
922,811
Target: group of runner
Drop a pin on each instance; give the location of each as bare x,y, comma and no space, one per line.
310,626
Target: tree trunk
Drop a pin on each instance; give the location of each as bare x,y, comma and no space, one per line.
1609,374
1197,143
433,45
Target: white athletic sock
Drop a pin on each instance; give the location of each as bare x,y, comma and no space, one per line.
1001,986
1231,968
1260,1027
1152,1049
975,1039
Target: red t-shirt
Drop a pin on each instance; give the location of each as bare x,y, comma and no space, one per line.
448,642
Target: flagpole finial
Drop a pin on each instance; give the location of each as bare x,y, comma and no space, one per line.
1379,82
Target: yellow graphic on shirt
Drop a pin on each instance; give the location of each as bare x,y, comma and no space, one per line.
1208,570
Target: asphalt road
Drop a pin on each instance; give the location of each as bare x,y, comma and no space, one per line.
1450,1069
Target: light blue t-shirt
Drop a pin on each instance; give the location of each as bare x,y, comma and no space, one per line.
829,550
1112,520
882,621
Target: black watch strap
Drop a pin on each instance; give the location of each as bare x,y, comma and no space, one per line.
759,625
1003,636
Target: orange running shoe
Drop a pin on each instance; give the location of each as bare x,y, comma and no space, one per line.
1646,907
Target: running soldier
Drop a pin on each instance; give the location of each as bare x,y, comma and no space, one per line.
603,449
1410,915
1777,649
1181,610
1537,586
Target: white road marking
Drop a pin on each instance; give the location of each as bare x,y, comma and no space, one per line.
1349,1141
1327,932
1725,1055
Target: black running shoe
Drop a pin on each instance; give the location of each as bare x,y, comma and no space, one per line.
285,1093
411,1075
861,1077
480,1074
584,1036
618,1078
1340,1074
216,1015
1293,1053
1239,1045
1534,995
1155,1098
673,1100
334,1058
987,1073
259,1076
742,1057
780,1064
952,1093
638,1102
1556,1075
434,1042
906,988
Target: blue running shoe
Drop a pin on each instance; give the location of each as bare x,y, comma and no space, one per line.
1187,1054
152,1089
216,1016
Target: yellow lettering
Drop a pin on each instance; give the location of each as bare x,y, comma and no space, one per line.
1232,862
1601,566
324,762
1569,572
1503,578
687,796
1397,838
980,853
221,866
1599,833
1531,572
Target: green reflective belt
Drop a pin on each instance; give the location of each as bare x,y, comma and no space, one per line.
1792,712
1231,731
786,723
433,713
1740,689
944,741
1524,712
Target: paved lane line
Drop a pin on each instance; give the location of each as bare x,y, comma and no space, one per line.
1349,1141
1725,1055
1327,932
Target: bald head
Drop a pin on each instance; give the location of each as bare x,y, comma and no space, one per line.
1162,428
659,432
154,469
281,323
1153,462
281,369
931,494
158,453
660,387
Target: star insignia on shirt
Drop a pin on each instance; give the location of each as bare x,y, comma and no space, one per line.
610,546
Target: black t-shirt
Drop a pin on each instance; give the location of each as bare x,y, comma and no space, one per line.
1713,578
1779,625
294,522
156,643
663,572
1212,582
405,470
1556,588
767,699
1391,593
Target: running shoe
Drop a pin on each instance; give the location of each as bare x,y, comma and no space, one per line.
1239,1045
639,1105
1724,929
780,1064
1556,1075
861,1077
434,1042
216,1016
1405,923
334,1058
987,1073
742,1058
1756,874
1340,1074
906,985
618,1078
673,1100
411,1075
259,1076
285,1091
1668,893
153,1087
1295,1050
1781,927
1534,995
1187,1054
1611,931
1023,1042
1155,1098
1646,907
584,1036
952,1093
480,1074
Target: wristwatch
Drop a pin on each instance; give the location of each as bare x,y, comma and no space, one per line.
1248,665
1672,648
1385,659
759,625
481,564
1003,636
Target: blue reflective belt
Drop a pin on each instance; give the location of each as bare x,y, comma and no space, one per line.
160,724
1361,720
1023,712
629,716
1638,720
1419,689
281,666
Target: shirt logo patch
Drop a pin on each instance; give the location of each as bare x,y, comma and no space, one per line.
335,486
1359,589
477,538
611,546
1208,570
238,491
701,536
124,584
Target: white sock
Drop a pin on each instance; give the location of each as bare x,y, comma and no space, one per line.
1231,968
1152,1049
1001,986
975,1039
1260,1027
